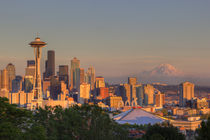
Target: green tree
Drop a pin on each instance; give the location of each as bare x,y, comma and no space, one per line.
163,132
18,123
85,122
203,133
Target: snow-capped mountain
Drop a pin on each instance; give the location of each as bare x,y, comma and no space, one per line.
165,70
164,73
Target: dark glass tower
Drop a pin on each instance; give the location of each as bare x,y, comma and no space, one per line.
50,64
63,74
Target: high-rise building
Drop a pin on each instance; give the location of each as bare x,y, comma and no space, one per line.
159,99
131,91
4,79
46,88
64,74
50,64
75,73
90,79
82,75
132,80
140,95
104,92
11,74
100,82
55,88
149,92
114,102
186,93
127,88
30,69
84,93
17,84
28,84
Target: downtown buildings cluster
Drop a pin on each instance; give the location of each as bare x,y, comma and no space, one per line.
73,85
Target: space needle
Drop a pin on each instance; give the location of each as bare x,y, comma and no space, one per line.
37,44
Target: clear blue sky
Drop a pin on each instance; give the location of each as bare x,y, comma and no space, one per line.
117,37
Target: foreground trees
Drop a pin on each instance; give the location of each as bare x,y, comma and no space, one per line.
79,123
56,123
17,123
158,132
85,122
203,133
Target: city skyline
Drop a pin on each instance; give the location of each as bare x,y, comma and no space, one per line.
117,38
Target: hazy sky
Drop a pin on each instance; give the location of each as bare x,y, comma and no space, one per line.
117,37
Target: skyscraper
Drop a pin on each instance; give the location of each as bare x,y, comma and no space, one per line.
159,99
63,74
55,88
84,93
50,64
30,69
4,79
90,79
82,75
186,93
149,92
100,82
75,73
17,84
28,83
11,75
131,90
127,91
140,95
132,80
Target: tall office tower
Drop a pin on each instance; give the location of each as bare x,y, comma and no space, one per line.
84,93
37,44
64,91
132,80
46,88
149,91
17,84
104,92
50,64
11,74
63,74
91,77
159,99
4,79
100,82
120,91
139,95
30,69
28,84
54,87
82,75
186,91
127,93
75,73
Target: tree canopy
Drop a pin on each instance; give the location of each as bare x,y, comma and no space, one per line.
56,123
158,132
18,123
203,133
